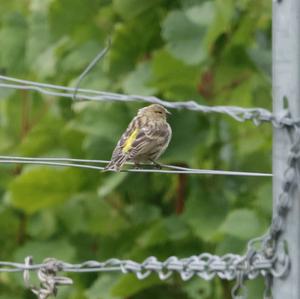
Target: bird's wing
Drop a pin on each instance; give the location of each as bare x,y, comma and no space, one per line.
129,144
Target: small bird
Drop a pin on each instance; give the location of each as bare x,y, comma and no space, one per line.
146,138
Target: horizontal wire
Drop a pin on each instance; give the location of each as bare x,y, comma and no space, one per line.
205,265
172,169
257,115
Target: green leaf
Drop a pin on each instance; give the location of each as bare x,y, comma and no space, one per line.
205,212
129,285
243,224
78,59
230,244
131,44
194,287
38,57
38,188
9,227
42,138
131,8
13,35
90,214
183,37
264,199
173,78
137,82
60,249
42,225
79,14
101,288
110,183
101,120
202,14
182,147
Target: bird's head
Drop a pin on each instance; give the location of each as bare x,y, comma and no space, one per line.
155,111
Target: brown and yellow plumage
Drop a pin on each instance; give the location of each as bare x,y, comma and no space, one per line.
146,138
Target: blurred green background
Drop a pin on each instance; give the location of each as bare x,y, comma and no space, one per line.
215,52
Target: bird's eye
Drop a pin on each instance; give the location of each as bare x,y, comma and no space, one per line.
158,112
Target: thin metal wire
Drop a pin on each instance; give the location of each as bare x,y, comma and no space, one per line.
257,115
205,265
170,169
90,66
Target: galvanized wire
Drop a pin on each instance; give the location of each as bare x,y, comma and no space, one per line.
291,179
256,115
169,169
205,266
265,255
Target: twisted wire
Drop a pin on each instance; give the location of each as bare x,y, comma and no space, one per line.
256,115
285,201
47,275
205,265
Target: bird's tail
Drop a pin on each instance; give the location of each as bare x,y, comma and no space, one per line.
115,164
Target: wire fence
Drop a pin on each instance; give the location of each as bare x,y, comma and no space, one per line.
266,256
205,266
256,115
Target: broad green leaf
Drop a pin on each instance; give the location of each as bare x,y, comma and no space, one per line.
131,44
103,218
140,213
129,285
102,288
201,14
42,138
110,183
183,37
264,199
137,82
90,214
243,224
173,78
60,249
182,147
38,188
205,212
9,227
79,59
170,229
42,225
132,8
231,244
103,120
78,14
13,34
39,39
194,287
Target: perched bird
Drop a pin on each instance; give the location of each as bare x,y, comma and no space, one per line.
146,138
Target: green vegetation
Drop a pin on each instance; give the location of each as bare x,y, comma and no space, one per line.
216,52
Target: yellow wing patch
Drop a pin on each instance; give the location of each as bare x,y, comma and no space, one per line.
128,143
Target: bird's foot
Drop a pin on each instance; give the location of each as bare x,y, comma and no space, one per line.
156,165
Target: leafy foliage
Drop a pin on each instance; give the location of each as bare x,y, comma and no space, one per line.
213,51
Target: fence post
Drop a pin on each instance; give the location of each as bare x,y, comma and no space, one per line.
286,83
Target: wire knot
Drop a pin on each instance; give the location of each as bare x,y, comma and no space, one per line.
47,277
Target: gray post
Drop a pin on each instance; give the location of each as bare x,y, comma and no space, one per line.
286,82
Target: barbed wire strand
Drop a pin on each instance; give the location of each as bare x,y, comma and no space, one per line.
257,115
204,265
171,169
